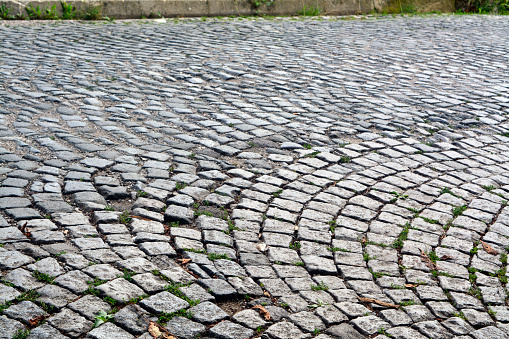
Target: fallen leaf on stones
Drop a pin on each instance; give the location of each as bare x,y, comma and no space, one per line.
445,257
424,257
488,248
184,261
267,294
154,330
35,321
411,285
25,230
142,218
378,302
263,311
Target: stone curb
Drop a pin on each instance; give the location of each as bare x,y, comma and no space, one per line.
130,9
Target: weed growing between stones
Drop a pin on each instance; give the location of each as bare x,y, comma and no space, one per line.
335,249
128,275
458,210
295,246
345,159
163,318
96,282
92,291
124,218
398,243
320,287
428,220
21,334
43,277
180,185
174,288
215,256
110,300
488,188
102,317
30,295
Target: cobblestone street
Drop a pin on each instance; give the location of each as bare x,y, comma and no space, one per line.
281,179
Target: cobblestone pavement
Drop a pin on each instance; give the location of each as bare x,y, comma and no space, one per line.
350,178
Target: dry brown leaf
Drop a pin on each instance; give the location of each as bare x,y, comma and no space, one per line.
25,230
488,248
33,322
378,302
142,218
424,257
445,257
411,285
184,261
263,312
154,330
267,294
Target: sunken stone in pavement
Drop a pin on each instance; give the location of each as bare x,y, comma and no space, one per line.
346,178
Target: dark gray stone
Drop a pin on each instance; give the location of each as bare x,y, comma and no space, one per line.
207,313
185,328
9,327
89,306
24,311
133,319
228,330
164,302
46,331
109,330
70,323
121,290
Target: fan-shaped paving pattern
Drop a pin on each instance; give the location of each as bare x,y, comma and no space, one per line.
349,177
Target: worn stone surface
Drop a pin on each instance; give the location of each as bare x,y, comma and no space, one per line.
292,164
185,328
109,330
10,327
70,323
164,302
228,330
24,311
120,290
207,312
46,331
